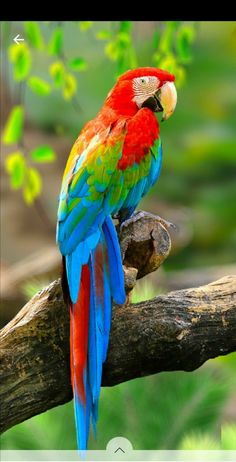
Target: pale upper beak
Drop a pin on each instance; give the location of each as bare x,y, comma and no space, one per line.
167,96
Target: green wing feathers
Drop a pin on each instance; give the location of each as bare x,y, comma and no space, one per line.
94,187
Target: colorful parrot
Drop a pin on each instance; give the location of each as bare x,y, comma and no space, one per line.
112,165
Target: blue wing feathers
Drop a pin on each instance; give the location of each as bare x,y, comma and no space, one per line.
135,194
76,259
155,169
73,271
107,310
115,262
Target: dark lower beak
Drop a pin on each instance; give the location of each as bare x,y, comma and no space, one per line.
153,103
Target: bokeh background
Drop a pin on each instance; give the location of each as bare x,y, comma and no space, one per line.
51,84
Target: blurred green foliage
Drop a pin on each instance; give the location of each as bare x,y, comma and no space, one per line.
174,48
144,290
21,56
208,441
159,412
120,47
61,73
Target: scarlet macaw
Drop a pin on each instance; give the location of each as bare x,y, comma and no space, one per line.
112,165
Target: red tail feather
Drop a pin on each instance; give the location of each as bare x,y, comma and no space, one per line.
79,319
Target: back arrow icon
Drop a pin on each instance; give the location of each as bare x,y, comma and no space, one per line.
17,39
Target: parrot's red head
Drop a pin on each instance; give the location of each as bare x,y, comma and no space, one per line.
144,87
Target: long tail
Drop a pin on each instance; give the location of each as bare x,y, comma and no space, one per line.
98,266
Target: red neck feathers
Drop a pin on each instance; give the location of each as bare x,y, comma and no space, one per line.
142,132
120,99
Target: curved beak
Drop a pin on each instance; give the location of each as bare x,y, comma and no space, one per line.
167,97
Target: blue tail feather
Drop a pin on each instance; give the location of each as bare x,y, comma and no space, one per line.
81,423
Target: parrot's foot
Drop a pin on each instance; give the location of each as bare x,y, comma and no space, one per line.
141,214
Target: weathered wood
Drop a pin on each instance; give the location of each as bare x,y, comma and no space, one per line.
145,243
178,331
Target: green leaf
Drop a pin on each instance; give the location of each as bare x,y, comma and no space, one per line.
33,34
14,126
20,57
103,34
123,39
156,39
39,86
116,48
43,154
167,38
85,25
125,26
112,50
78,64
168,63
15,167
184,39
70,86
32,185
56,42
57,71
121,50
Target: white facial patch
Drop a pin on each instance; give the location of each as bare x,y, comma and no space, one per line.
144,87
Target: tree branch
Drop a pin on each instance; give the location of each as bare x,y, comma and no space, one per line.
177,331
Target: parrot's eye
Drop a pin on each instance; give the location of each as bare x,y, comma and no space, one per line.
144,80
